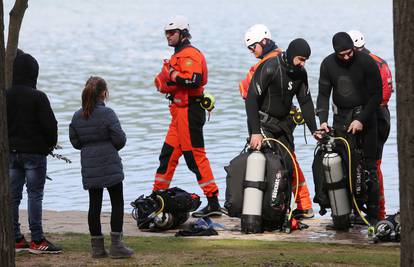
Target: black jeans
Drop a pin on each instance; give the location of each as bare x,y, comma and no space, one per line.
95,206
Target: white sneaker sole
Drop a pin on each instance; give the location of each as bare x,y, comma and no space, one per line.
36,251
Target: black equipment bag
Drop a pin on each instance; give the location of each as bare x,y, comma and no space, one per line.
173,201
177,200
236,172
277,197
321,191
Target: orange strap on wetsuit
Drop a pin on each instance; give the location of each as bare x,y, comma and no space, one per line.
244,84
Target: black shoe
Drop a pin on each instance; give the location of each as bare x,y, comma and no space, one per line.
303,214
44,246
207,211
213,209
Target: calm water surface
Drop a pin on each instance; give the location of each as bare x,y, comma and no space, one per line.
124,43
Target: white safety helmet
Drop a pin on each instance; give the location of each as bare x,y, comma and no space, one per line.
177,23
357,38
256,33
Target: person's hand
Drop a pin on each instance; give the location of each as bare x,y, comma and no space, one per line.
169,71
355,126
256,141
173,75
318,134
161,82
324,126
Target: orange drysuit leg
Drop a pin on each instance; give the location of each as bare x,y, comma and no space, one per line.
190,128
381,213
185,136
303,200
169,156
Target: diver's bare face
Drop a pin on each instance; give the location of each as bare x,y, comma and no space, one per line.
173,37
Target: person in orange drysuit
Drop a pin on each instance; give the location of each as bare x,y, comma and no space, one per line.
258,41
183,78
383,114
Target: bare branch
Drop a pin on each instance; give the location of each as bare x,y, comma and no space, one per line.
16,19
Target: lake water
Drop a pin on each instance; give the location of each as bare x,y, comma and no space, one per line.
124,43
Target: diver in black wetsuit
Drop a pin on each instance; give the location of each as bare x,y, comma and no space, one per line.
268,104
271,91
354,78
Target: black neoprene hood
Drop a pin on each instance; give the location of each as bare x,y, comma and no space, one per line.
298,47
341,42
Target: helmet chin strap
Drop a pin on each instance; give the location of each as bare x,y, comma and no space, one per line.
181,39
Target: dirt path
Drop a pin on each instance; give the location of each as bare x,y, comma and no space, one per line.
76,222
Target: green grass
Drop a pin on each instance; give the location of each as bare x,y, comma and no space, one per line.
172,251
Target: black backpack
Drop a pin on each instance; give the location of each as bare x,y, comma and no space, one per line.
236,172
277,197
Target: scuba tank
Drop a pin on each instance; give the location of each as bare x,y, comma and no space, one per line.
336,185
251,219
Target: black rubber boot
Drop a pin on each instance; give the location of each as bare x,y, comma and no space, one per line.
303,214
212,209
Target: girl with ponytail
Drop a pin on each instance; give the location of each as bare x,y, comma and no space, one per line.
96,131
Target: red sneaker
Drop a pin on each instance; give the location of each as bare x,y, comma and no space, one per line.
21,245
44,247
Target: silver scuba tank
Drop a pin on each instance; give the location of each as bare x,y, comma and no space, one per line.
251,219
337,190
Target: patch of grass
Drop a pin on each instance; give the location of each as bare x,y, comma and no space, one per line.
172,251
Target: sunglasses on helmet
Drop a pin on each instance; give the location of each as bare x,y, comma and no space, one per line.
252,47
171,32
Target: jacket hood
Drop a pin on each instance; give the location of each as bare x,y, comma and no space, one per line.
25,70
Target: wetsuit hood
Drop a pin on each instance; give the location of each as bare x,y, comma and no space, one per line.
268,47
341,42
298,47
25,70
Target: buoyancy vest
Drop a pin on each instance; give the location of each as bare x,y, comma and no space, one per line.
188,62
386,78
244,84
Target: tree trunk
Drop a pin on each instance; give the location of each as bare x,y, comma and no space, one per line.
6,231
404,69
16,18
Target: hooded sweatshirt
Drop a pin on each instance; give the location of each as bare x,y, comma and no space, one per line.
32,126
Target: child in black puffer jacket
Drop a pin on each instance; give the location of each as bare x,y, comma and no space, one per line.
96,131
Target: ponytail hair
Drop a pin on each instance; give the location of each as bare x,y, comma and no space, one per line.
91,93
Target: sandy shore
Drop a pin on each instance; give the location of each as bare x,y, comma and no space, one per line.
76,222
